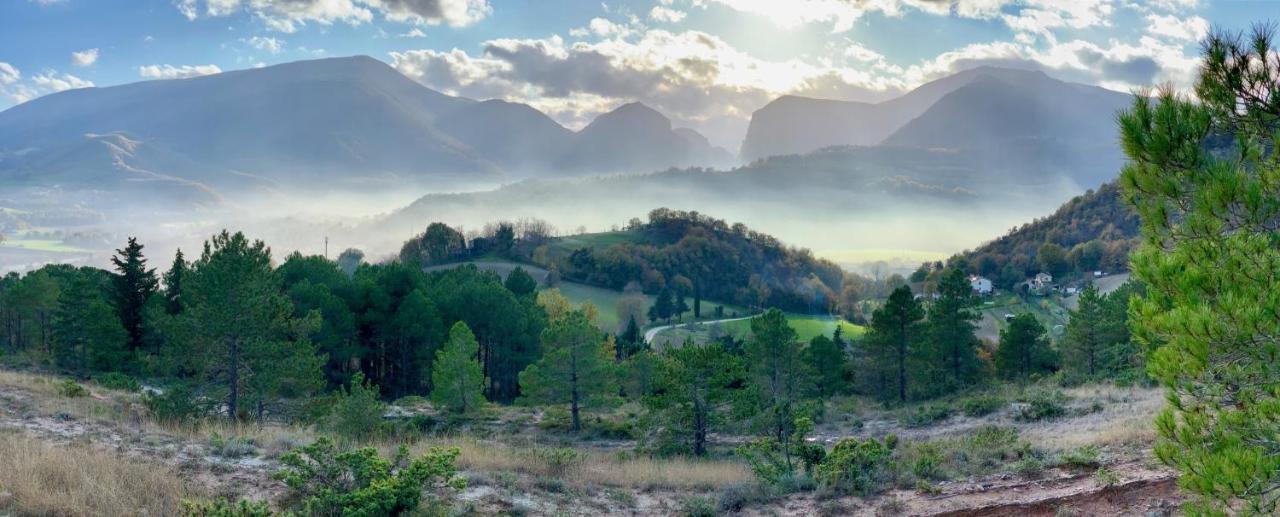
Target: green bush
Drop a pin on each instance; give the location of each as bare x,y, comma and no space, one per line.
118,381
1042,406
69,388
1087,457
1029,467
924,416
326,481
231,446
223,508
356,412
981,406
695,506
857,467
559,461
176,403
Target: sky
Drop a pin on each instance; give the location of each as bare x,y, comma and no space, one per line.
706,64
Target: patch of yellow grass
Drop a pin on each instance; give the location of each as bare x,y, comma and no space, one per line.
1127,417
595,467
38,479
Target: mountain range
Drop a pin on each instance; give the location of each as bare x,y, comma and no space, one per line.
343,122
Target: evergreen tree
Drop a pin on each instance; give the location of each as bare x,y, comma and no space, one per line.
779,375
695,386
173,279
681,306
663,308
576,368
1024,349
827,360
1204,177
133,286
89,337
237,332
1087,336
456,378
631,341
520,282
895,336
952,325
401,365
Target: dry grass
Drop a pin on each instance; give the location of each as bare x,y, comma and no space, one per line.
595,467
38,479
1126,418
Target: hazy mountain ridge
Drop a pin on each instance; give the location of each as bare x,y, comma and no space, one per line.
342,122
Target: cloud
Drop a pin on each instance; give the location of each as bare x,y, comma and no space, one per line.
842,14
8,74
176,72
84,57
414,33
288,15
53,81
1178,28
272,45
666,14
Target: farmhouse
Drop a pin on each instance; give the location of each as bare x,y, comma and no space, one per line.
1042,280
981,285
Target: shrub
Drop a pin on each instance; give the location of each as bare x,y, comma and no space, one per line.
69,388
1107,477
175,403
927,463
231,446
696,506
1087,457
356,412
855,466
925,416
223,508
326,481
119,381
1029,467
1042,406
559,461
981,406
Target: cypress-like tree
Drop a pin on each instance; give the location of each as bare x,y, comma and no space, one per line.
133,286
1204,177
1024,349
1086,338
456,378
173,280
664,307
895,335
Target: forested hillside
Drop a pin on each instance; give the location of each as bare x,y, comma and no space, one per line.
1096,230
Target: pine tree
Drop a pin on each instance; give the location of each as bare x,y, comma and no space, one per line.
631,340
694,392
827,360
663,308
576,368
173,279
456,378
952,326
1086,337
520,282
1204,177
1024,349
237,332
134,284
778,375
88,333
894,338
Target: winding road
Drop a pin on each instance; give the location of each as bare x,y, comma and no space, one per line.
653,332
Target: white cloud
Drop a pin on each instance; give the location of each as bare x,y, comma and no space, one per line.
176,72
1192,28
288,15
272,45
666,14
9,74
842,14
84,57
56,82
414,33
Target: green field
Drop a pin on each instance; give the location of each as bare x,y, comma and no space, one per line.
807,326
605,300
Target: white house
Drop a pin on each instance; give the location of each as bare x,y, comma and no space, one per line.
981,285
1042,280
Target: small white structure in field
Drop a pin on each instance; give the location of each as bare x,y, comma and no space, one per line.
1072,290
1097,274
981,285
1042,280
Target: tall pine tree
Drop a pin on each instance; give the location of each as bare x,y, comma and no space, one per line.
952,325
133,286
173,280
1024,349
456,379
576,368
894,340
